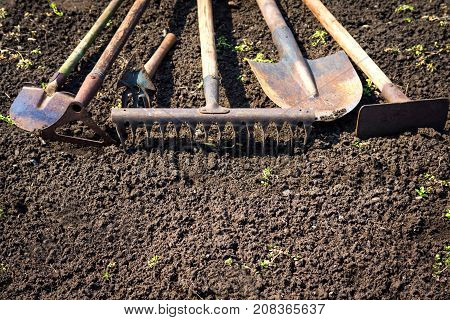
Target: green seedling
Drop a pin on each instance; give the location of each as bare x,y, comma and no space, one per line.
43,85
55,9
200,85
118,104
242,78
223,43
319,37
417,49
111,265
228,262
266,176
447,213
423,192
109,23
404,7
408,19
24,64
6,119
106,276
260,58
244,46
265,264
441,261
3,268
36,51
153,261
369,88
3,13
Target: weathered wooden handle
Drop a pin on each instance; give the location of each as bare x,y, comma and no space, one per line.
152,65
207,41
272,14
360,57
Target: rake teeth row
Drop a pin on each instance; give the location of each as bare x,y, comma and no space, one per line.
253,130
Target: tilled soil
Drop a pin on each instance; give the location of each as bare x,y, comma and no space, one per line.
340,221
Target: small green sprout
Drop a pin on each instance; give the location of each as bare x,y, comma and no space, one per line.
24,63
393,50
3,268
319,37
200,85
153,261
118,104
109,23
245,46
404,7
55,9
423,192
111,265
223,43
266,176
369,88
3,13
408,19
265,264
260,58
242,78
447,213
106,276
36,51
44,85
6,119
441,261
228,262
417,49
359,144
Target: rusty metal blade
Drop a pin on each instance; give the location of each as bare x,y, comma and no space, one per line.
33,110
390,119
338,84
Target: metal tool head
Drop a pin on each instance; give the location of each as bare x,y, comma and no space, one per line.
35,111
394,118
339,87
138,85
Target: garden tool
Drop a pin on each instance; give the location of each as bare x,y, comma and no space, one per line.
342,91
35,110
139,82
400,113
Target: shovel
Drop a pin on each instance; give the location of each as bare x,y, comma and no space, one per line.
329,87
139,82
34,110
400,113
28,110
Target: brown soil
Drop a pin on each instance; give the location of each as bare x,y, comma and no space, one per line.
339,221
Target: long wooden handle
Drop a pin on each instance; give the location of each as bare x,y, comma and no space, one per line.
152,65
360,57
272,14
207,41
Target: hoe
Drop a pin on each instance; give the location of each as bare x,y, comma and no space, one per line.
36,110
305,90
400,113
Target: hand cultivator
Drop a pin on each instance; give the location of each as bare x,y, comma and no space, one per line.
306,91
400,113
139,82
45,111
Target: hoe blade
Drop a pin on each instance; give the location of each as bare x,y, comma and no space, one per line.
338,84
390,119
34,110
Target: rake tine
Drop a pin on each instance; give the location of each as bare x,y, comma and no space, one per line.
147,136
122,133
248,140
308,129
161,138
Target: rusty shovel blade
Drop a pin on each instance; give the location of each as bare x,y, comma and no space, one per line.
33,110
393,118
338,85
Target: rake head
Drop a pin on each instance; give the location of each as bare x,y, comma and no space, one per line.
186,123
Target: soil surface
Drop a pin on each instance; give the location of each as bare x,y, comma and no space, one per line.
340,221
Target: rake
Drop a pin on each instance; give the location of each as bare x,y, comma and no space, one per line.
306,91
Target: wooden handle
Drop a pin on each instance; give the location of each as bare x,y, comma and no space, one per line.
354,50
207,41
155,61
272,14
